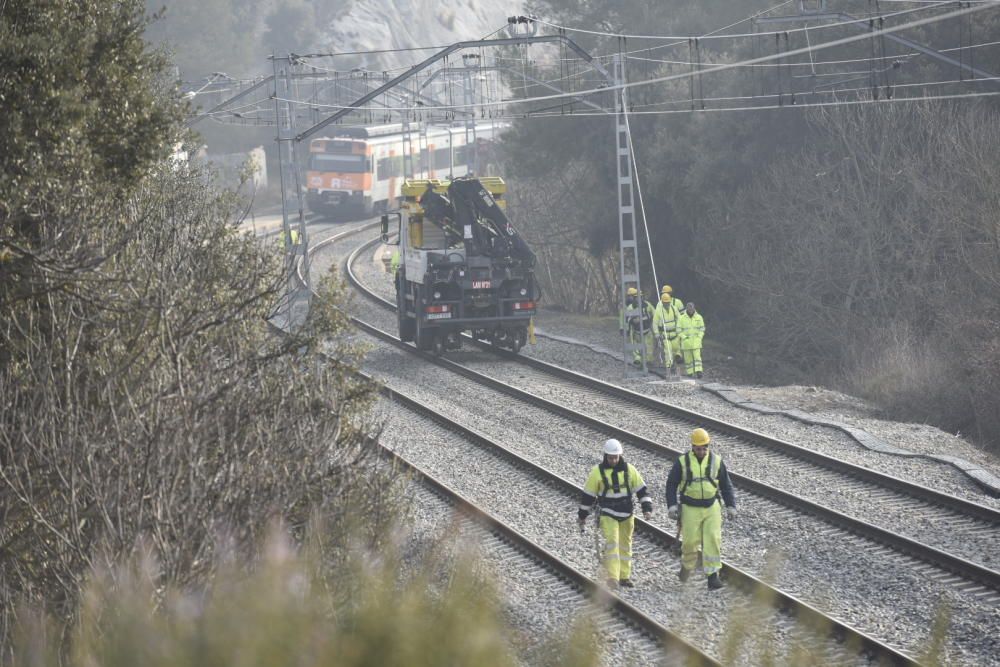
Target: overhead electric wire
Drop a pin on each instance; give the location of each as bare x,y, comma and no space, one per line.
818,62
716,68
402,49
806,105
664,112
684,38
495,105
837,91
676,40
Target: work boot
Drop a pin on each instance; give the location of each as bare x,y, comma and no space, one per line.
626,583
698,375
612,584
714,582
683,574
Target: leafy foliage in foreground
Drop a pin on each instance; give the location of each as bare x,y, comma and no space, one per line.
144,399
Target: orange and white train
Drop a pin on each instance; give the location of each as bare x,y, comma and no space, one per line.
360,170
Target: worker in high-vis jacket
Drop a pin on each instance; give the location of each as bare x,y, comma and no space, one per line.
665,328
609,488
691,331
638,324
283,237
696,488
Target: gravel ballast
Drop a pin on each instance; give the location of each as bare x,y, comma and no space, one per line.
860,587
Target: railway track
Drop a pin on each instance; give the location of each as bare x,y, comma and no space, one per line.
795,622
849,641
967,530
622,622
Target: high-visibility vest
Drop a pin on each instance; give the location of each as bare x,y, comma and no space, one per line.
612,488
691,329
699,479
665,320
644,309
295,237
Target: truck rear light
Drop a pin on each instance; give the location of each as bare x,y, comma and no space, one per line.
524,305
443,308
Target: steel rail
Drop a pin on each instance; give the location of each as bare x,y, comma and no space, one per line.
961,505
965,569
665,637
966,507
632,615
851,638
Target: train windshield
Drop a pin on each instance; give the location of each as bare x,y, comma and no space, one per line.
349,164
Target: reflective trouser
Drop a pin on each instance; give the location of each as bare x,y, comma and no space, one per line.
701,526
617,546
692,361
635,338
671,347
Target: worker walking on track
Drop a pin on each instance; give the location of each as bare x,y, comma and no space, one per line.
691,331
639,324
679,309
700,481
665,328
609,488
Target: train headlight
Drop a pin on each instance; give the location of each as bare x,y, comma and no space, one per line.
437,295
523,291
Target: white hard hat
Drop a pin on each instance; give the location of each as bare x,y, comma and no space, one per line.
613,447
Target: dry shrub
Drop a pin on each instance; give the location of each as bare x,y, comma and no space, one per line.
283,608
980,353
146,399
902,372
927,380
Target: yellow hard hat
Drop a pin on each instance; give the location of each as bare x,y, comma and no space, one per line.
666,288
665,297
632,291
699,437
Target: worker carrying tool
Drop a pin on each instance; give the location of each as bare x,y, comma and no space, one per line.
700,479
609,488
638,323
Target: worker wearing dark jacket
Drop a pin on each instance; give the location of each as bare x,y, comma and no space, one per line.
637,321
610,486
701,480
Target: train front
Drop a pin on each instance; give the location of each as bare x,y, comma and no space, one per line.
339,177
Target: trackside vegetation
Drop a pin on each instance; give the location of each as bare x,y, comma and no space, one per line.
282,611
145,403
852,246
